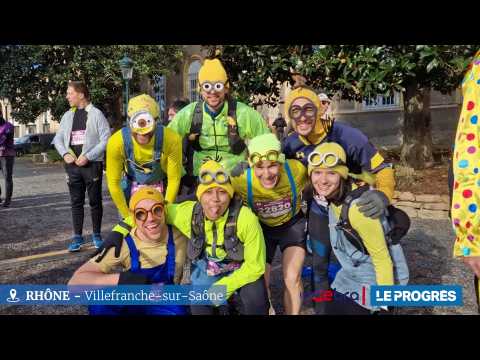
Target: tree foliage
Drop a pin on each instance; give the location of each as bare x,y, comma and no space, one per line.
34,77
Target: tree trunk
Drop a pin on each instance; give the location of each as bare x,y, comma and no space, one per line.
416,151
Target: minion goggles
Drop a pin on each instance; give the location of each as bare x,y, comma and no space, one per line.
329,159
272,155
207,177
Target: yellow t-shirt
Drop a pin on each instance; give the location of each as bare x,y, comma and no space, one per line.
151,254
274,206
170,162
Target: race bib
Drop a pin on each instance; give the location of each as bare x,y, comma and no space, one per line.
273,209
78,137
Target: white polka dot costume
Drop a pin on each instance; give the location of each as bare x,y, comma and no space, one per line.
466,167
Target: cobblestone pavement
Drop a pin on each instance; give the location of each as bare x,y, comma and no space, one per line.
39,221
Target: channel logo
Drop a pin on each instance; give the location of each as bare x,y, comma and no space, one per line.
416,295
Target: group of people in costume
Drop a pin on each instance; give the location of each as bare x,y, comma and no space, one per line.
324,190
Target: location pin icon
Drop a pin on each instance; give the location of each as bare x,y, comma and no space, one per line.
13,294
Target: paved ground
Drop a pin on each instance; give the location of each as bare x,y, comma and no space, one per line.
39,221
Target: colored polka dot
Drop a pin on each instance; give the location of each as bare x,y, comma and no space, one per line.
472,208
468,224
463,164
456,185
456,222
478,81
475,171
470,137
478,182
467,193
474,119
470,105
471,150
470,237
456,206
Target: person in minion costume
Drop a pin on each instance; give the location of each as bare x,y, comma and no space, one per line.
217,125
272,186
155,253
378,263
465,212
143,153
226,246
363,159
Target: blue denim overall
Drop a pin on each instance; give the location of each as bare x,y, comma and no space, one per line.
159,274
135,173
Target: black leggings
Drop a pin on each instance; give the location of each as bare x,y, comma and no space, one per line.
86,178
253,301
6,163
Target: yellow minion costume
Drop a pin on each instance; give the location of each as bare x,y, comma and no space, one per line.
332,156
130,164
278,209
363,159
248,231
217,134
275,206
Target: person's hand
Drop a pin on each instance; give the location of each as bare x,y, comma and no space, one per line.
373,203
113,240
81,161
474,263
69,159
239,169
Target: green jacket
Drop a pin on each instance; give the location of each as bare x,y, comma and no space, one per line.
250,124
249,232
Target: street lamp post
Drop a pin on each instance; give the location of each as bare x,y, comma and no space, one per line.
126,66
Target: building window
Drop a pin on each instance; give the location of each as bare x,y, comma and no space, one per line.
16,131
46,128
31,129
382,102
192,80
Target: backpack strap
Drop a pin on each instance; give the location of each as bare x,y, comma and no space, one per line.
233,245
250,189
344,222
196,244
196,126
237,145
293,187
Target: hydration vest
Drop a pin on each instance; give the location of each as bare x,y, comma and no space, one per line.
232,244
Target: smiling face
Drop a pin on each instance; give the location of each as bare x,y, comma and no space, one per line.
143,139
325,182
214,203
214,97
268,173
306,122
153,225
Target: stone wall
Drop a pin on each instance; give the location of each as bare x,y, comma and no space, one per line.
422,206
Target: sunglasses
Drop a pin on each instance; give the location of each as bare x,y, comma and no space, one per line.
328,159
142,214
208,86
207,177
308,111
271,155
